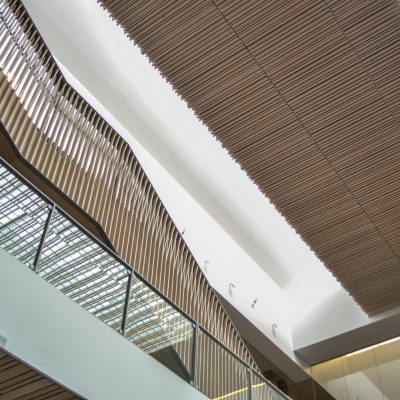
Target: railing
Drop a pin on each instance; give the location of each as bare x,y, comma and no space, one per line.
49,242
54,129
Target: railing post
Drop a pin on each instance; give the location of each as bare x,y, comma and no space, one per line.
194,354
249,385
36,262
126,303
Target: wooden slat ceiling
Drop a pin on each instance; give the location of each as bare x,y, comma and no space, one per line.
305,95
20,382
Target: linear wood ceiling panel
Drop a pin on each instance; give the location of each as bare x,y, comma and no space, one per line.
305,95
19,381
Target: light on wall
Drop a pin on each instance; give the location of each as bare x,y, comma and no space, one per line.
373,346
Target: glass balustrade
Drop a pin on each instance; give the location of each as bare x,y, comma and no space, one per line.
219,374
53,245
263,390
22,218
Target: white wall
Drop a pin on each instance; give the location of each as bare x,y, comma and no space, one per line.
46,329
338,326
335,314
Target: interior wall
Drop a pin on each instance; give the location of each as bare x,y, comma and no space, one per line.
335,314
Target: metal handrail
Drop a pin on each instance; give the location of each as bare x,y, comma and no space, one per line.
131,273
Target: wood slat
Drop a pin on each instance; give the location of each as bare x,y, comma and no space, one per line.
21,382
305,95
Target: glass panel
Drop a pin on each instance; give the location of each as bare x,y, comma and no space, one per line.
22,218
300,390
262,390
370,373
361,374
159,329
219,375
73,263
320,393
387,357
330,375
